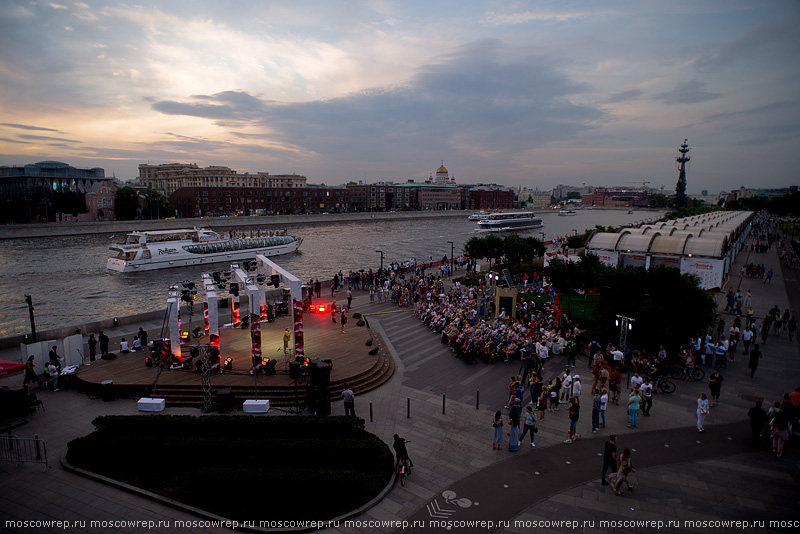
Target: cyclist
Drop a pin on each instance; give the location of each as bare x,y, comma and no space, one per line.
399,446
688,367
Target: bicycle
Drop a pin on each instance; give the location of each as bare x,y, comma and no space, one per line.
662,383
697,373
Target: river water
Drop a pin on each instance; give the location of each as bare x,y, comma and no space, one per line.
69,283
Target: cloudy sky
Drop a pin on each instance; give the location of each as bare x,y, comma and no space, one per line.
519,93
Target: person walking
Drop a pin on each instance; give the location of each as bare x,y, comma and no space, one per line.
497,435
625,468
528,425
647,396
780,430
513,421
609,459
757,417
747,338
603,406
349,399
702,411
755,355
715,386
574,415
633,409
343,320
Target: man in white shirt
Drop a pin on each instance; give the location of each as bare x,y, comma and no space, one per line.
636,381
603,406
747,337
647,396
566,386
618,357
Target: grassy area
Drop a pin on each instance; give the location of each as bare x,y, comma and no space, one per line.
240,467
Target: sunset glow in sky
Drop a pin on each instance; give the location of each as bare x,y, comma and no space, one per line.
519,93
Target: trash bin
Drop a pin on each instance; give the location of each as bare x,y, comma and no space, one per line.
107,390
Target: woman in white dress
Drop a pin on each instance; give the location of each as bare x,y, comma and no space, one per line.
702,411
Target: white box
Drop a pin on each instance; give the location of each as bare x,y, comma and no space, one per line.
256,406
151,405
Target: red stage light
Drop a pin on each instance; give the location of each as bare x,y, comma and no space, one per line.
321,308
313,307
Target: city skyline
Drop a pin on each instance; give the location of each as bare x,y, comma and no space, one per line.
530,94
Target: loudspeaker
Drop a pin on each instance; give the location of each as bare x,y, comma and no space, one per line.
369,342
109,356
294,370
360,323
374,351
356,315
225,400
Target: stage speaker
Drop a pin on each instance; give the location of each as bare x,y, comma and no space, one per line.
369,342
374,351
109,356
319,399
225,400
294,370
360,322
356,315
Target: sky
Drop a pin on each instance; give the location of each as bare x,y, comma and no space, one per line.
531,94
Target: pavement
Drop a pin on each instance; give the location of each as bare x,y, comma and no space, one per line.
444,408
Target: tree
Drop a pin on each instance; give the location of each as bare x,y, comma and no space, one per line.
475,248
574,195
126,203
514,248
494,247
658,200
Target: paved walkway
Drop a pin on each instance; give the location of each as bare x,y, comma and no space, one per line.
458,476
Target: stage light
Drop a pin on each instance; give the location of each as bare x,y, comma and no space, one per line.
194,352
213,352
148,361
276,280
228,365
234,289
184,336
321,308
313,307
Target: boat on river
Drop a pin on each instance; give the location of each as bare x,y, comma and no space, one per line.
565,213
163,249
502,222
480,215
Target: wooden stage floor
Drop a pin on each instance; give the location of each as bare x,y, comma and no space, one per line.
323,339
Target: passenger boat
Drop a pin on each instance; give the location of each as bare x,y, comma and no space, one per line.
480,215
501,222
162,249
564,213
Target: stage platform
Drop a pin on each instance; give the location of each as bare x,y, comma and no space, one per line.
349,353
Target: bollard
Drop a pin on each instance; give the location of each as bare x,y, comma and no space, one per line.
408,408
444,400
477,399
370,412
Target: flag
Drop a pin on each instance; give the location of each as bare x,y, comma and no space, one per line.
112,237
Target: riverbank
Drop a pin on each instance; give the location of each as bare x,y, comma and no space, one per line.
29,231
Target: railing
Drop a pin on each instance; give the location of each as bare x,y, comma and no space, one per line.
21,450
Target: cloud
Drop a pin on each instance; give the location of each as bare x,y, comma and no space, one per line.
754,44
483,96
625,96
27,127
9,140
690,92
46,138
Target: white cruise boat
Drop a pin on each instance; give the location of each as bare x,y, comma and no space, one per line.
502,222
564,213
163,249
480,215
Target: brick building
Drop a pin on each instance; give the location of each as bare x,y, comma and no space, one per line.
198,201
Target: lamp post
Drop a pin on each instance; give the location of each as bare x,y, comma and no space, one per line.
29,301
452,249
625,324
542,237
381,259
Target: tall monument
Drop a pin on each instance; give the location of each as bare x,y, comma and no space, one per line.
680,189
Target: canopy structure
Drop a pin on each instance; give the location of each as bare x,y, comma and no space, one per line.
8,367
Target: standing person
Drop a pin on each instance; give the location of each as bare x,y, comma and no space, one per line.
715,386
317,288
53,372
634,403
647,396
576,386
566,386
287,337
791,326
780,430
574,415
596,404
609,459
142,335
702,411
603,406
528,425
55,358
625,468
343,320
542,404
349,298
615,378
497,435
92,342
513,422
755,355
757,417
349,399
103,340
747,338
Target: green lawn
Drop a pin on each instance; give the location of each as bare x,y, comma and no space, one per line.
242,467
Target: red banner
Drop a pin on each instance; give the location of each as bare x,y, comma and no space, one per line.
297,313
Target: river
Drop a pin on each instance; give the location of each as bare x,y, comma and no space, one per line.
68,281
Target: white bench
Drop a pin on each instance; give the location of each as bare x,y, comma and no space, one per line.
146,404
255,406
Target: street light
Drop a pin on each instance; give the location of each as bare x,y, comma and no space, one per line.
452,248
381,259
542,236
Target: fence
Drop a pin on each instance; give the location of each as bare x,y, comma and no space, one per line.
21,450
